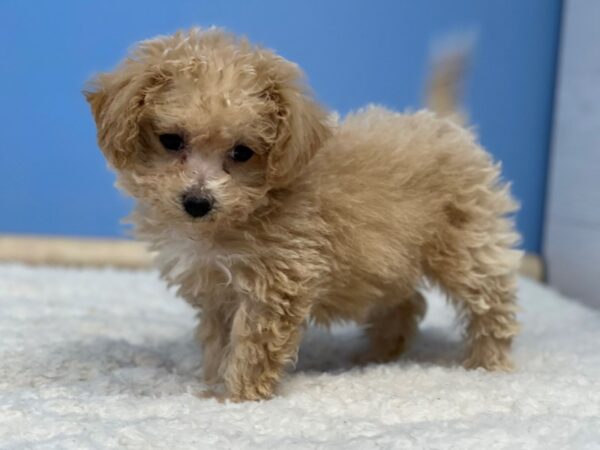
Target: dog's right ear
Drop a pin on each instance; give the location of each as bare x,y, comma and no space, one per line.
117,100
96,99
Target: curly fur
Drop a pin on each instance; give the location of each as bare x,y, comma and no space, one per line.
327,221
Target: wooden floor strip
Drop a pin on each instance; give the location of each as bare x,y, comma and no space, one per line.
67,251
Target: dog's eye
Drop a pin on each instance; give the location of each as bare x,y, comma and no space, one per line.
241,153
171,141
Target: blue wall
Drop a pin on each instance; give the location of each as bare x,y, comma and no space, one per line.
53,179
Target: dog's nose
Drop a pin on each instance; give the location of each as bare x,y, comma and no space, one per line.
197,206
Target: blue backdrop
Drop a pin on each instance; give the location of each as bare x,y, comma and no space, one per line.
53,179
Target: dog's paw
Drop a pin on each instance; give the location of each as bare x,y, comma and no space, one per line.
363,359
491,354
374,357
223,397
213,393
249,396
502,364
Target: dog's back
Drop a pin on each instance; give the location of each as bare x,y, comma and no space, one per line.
408,196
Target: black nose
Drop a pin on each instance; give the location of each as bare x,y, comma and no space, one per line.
197,206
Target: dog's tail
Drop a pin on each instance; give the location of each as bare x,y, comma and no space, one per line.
448,70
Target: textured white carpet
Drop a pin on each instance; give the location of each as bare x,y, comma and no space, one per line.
106,359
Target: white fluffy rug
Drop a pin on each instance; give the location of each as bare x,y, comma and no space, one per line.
106,359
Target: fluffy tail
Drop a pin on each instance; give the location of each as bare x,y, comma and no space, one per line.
445,87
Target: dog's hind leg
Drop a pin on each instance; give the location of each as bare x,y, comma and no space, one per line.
391,325
481,283
489,307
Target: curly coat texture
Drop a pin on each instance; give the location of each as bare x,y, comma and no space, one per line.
326,222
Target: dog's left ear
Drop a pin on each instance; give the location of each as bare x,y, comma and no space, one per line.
302,125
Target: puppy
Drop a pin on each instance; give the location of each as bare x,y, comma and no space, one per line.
266,214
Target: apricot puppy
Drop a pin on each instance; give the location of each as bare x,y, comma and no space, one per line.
265,213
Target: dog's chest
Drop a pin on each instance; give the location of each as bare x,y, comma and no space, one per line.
196,267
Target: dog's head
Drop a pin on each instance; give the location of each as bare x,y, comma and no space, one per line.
201,126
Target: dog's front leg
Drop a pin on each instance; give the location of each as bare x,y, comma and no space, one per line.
213,334
265,336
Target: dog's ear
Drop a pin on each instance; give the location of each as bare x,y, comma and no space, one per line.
117,101
302,125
